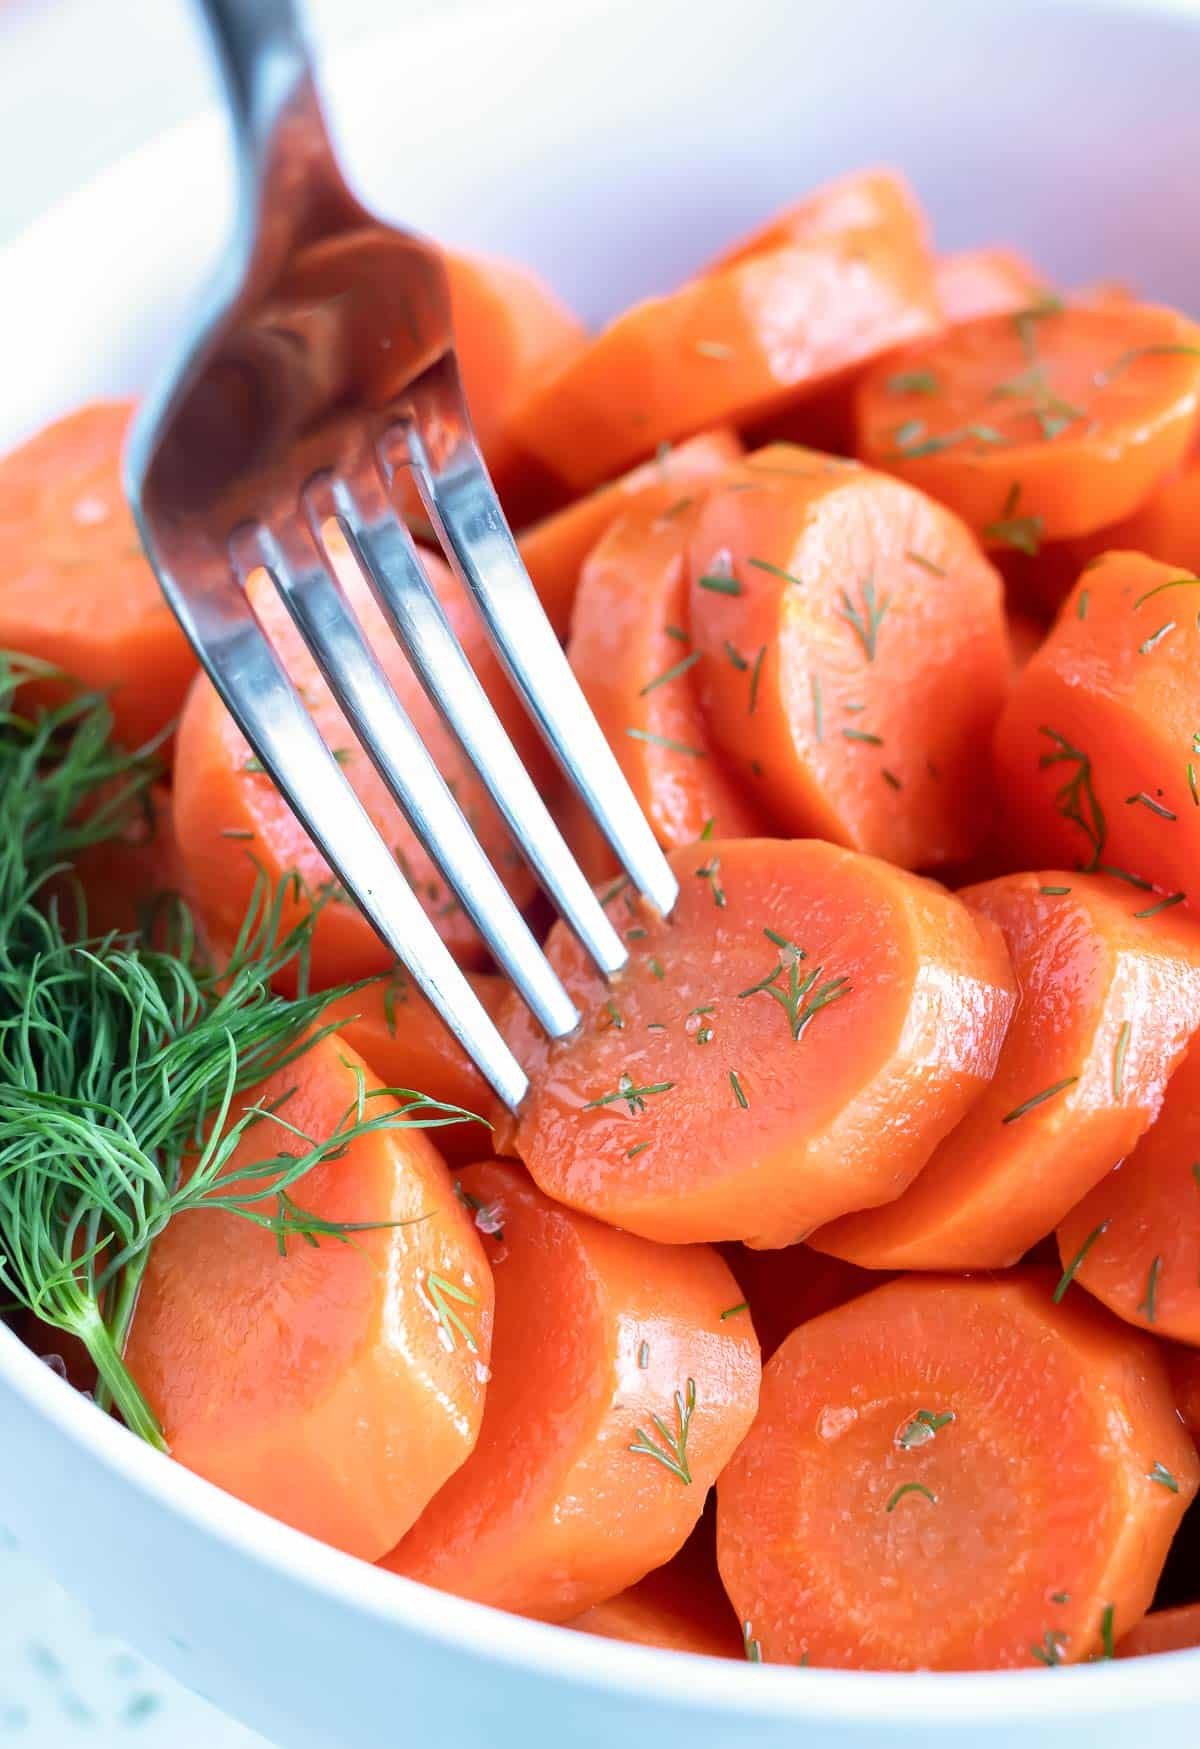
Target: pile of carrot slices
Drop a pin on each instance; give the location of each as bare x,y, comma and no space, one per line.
855,1234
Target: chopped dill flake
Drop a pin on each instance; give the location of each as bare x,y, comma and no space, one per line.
863,735
636,934
253,765
1149,802
814,685
231,832
1076,800
488,1216
656,966
925,564
633,1096
1162,350
707,830
1060,1597
738,1090
343,755
672,673
1107,1650
923,1427
1040,1098
912,444
755,672
732,1311
1148,1305
913,382
750,1645
719,583
1022,533
1118,1066
672,1454
910,432
1081,609
910,1488
677,509
678,633
1051,1649
1187,581
1162,1475
866,623
890,778
441,1293
773,935
1123,874
1191,782
615,890
710,872
1162,905
1054,892
1071,1271
1156,638
714,349
736,657
775,571
665,741
615,1017
637,1148
643,1355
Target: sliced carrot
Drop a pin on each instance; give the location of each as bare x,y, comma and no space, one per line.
121,878
555,548
1183,1364
1109,1001
1135,1241
1166,1630
75,587
1041,425
731,348
790,1045
971,1432
855,654
633,655
230,821
861,200
681,1607
1097,752
394,1029
616,1396
337,1385
985,282
788,1287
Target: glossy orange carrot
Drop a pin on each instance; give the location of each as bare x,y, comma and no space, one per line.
1135,1241
731,348
616,1396
230,821
861,200
681,1606
1007,1449
75,587
1097,752
1166,1630
633,655
790,1045
1109,1001
788,1287
555,548
985,282
120,878
854,654
397,1032
1039,425
335,1385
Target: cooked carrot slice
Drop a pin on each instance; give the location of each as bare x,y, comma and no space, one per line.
120,878
787,1287
395,1030
974,1433
855,655
859,201
1183,1364
1135,1241
614,1382
1097,749
338,1385
681,1607
1040,425
985,282
727,349
1109,1001
790,1045
555,548
633,655
1166,1630
231,822
75,587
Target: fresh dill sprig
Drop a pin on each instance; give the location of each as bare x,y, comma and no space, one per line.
1076,800
672,1453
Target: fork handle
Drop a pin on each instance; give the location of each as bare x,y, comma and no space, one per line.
264,58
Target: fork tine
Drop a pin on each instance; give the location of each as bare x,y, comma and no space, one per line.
461,503
258,694
388,558
341,651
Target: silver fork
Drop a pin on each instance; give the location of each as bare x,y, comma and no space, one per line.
320,375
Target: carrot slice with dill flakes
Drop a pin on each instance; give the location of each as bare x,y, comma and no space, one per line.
1108,1003
1134,1242
1040,425
790,1045
985,282
616,1396
555,548
871,654
971,1433
1097,751
729,348
861,200
335,1385
787,1287
75,586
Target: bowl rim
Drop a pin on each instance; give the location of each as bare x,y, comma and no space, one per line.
686,1680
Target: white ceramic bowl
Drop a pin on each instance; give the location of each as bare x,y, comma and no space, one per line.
613,145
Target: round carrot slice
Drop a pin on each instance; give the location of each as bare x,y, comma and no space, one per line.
616,1396
334,1385
729,348
1108,1003
1006,1449
855,654
859,201
231,822
985,282
788,1287
1049,422
75,587
555,548
1097,753
1134,1242
791,1044
1166,1630
681,1606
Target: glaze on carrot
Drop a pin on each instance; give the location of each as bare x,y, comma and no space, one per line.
953,1475
985,282
861,200
617,1394
790,1045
